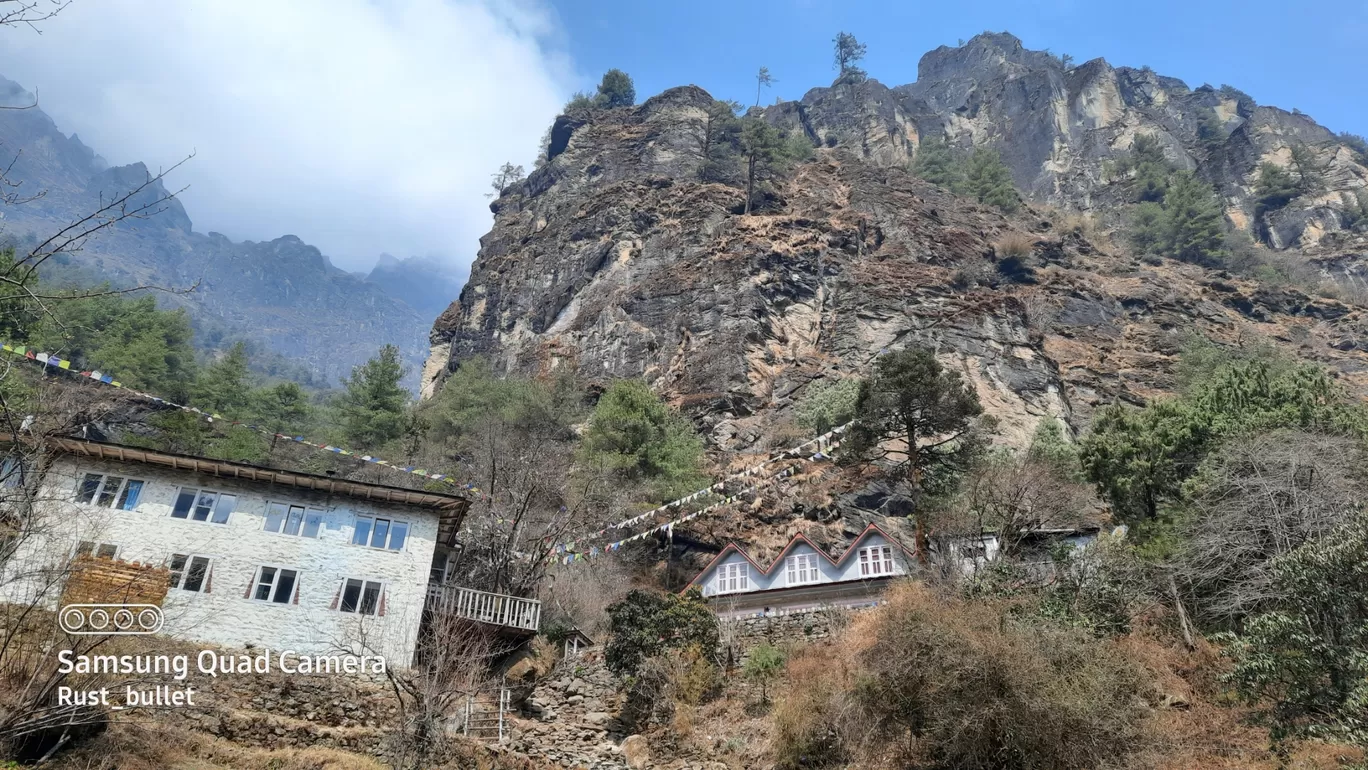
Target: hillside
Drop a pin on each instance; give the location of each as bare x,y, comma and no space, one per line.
282,293
614,258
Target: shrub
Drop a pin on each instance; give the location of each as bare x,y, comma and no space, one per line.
1014,245
1305,665
946,683
763,667
645,625
635,433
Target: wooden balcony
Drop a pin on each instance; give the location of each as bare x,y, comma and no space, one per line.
510,612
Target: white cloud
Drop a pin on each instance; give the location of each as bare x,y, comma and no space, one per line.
361,126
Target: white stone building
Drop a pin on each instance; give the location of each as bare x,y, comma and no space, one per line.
258,556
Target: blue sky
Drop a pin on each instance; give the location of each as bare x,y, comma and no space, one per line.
1314,60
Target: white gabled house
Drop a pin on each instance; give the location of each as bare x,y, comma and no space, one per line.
803,576
257,556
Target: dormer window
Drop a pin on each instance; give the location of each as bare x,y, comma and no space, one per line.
876,561
733,577
802,569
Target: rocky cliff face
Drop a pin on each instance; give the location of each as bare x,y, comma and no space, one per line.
614,258
1057,128
283,293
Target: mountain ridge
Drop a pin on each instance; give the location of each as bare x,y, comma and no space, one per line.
281,292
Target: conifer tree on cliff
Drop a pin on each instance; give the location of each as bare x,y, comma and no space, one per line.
925,419
848,52
616,89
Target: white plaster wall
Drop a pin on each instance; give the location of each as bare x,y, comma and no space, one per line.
238,548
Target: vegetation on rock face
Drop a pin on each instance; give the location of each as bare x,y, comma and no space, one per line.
826,404
981,175
935,162
616,89
989,181
1187,224
633,432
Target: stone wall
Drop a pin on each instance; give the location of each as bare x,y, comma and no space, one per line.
573,716
740,635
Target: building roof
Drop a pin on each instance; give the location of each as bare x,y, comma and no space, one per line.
451,508
732,547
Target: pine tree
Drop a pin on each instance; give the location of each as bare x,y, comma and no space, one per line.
507,176
616,90
1210,130
763,79
720,142
635,433
373,406
848,52
1151,169
768,151
915,410
989,181
936,163
1194,222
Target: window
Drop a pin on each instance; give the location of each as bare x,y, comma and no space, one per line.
293,519
275,585
98,550
361,597
380,533
733,577
12,472
190,572
876,560
203,505
802,568
441,562
109,491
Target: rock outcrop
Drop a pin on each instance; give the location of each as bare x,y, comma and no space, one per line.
1059,127
615,259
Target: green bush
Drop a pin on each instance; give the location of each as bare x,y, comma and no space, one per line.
644,625
763,666
1139,458
1305,665
989,181
633,432
616,89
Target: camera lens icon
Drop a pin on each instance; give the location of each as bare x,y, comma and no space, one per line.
111,619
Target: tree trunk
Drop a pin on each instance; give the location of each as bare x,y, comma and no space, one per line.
750,182
918,512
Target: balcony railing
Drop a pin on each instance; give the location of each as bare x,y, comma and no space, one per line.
485,607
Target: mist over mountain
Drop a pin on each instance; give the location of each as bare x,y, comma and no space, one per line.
426,284
282,293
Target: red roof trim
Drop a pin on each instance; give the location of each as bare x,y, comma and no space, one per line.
854,545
